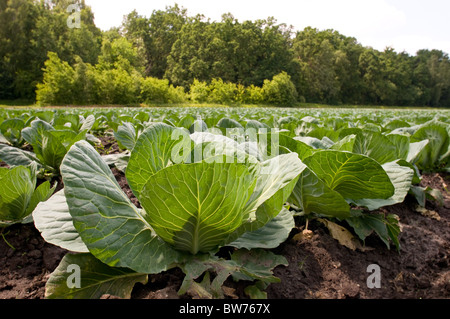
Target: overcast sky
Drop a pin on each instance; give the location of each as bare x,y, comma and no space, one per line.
405,25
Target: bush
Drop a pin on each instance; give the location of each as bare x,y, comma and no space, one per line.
122,83
58,82
221,92
217,91
154,90
254,95
177,94
280,91
117,86
199,91
86,84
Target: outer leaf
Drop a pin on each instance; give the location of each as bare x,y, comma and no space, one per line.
11,130
96,279
342,235
17,189
254,124
52,218
34,134
257,264
157,147
438,145
209,146
40,194
345,144
65,136
415,149
126,135
393,228
198,126
16,157
401,177
227,123
186,121
194,207
402,145
311,194
269,236
193,267
296,146
255,292
314,142
3,172
112,228
275,183
386,228
120,160
275,175
423,193
321,132
3,139
353,176
88,123
65,119
376,146
52,151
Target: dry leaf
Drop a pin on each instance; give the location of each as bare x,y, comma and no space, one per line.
229,292
428,213
343,236
197,291
304,235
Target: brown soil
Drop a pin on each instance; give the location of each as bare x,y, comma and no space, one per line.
25,269
319,267
108,145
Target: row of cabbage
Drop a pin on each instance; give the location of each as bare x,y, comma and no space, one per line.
207,179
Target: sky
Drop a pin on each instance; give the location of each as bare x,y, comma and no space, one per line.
405,25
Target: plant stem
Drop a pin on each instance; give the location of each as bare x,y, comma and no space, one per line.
3,236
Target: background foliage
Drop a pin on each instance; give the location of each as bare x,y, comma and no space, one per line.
227,61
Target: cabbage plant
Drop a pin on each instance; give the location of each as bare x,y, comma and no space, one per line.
11,131
199,192
19,195
50,144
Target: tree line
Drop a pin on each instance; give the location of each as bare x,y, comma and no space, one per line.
170,56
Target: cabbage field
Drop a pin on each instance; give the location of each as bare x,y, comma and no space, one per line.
166,203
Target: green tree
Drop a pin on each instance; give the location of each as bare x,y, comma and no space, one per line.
154,36
328,66
29,30
17,68
242,53
118,74
432,77
187,60
119,53
372,76
85,87
397,88
280,90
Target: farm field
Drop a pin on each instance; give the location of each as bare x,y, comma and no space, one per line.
278,203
